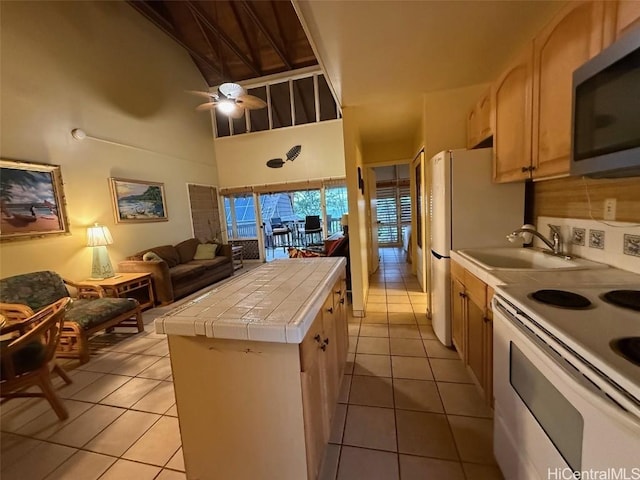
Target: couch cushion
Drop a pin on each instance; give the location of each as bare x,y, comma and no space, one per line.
187,249
168,253
185,270
89,313
210,264
29,357
36,289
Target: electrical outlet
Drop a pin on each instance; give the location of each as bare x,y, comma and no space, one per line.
610,209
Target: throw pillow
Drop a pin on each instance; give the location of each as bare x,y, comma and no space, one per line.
206,251
151,257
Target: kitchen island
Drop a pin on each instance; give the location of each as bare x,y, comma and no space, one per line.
257,364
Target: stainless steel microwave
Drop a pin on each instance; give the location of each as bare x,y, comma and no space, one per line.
606,112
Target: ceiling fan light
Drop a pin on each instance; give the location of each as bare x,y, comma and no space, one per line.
226,106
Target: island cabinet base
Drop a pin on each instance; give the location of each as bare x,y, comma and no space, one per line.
258,410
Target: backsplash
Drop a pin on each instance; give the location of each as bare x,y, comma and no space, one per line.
615,243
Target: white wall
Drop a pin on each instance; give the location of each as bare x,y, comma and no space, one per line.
102,67
242,159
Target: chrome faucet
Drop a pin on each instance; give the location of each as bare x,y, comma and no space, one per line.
555,244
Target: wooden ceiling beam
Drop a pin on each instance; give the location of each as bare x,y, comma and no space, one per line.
211,25
256,19
217,50
163,24
245,34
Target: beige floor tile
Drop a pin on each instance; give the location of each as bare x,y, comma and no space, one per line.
136,344
129,393
377,298
371,391
463,399
417,395
399,308
354,329
345,387
405,318
370,427
158,400
158,445
337,423
474,438
379,365
48,423
399,286
80,379
350,364
105,362
160,350
125,469
104,386
159,370
23,412
353,344
373,345
427,333
329,466
420,468
374,330
38,462
172,412
445,370
416,368
135,365
83,466
171,475
482,472
13,447
404,331
407,347
375,317
417,297
86,426
425,434
177,461
397,292
435,349
398,299
376,308
122,433
364,464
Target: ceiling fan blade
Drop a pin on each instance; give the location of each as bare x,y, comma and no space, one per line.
275,163
231,90
237,112
251,102
293,153
207,106
203,94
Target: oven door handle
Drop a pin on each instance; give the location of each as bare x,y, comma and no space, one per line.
623,409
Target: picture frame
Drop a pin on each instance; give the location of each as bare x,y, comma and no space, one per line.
138,201
32,201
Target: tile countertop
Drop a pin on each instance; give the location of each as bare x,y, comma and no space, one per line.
495,278
276,302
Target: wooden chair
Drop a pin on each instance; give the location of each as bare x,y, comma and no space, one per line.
312,227
28,358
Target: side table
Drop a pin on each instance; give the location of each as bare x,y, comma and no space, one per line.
238,256
127,285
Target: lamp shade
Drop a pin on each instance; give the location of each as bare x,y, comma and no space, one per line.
344,221
98,235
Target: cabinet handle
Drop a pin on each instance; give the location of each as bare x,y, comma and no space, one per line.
330,309
323,347
338,292
525,169
318,338
342,300
462,295
326,341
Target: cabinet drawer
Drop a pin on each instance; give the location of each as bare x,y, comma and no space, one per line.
311,344
490,293
476,289
457,271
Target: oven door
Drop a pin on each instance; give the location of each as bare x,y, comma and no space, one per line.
549,419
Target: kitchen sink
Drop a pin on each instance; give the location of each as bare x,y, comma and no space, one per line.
524,259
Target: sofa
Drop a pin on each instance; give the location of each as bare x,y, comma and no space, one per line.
175,272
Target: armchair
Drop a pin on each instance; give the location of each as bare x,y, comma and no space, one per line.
23,295
28,359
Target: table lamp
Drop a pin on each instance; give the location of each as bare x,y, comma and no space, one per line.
99,237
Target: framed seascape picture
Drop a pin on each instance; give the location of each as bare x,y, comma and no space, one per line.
137,201
31,200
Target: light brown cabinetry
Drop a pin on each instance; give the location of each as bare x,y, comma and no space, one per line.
479,121
254,409
472,326
511,97
567,42
619,18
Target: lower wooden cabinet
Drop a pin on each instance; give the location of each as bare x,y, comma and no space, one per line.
472,327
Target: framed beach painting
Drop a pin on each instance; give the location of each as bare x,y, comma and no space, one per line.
31,200
137,201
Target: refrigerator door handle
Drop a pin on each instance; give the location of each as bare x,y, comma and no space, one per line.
438,256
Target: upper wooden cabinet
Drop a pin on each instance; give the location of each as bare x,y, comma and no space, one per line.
619,18
479,121
511,98
567,42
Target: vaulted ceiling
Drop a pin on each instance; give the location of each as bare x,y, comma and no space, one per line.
233,40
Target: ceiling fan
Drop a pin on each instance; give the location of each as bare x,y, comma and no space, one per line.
230,99
292,154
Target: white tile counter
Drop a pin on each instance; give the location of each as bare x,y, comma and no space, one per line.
276,302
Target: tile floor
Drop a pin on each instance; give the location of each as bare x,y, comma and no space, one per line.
407,409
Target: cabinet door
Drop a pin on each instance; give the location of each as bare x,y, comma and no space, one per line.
472,128
316,426
512,120
330,355
342,329
475,341
457,316
484,116
488,360
620,17
567,42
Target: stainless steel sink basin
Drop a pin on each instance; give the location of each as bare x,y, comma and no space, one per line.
524,259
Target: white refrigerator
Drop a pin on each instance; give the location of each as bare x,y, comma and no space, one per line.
467,210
